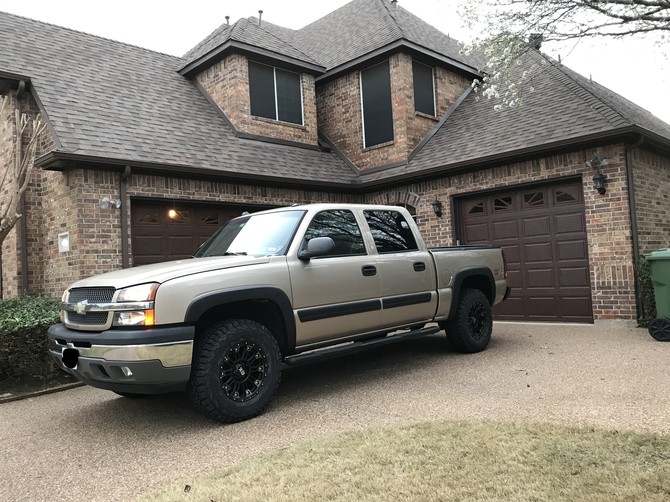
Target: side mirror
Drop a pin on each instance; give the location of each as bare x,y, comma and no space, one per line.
318,246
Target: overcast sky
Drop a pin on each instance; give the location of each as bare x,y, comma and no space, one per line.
633,68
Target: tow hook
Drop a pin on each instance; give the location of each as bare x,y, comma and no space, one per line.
70,358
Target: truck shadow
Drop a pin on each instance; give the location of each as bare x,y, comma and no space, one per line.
173,413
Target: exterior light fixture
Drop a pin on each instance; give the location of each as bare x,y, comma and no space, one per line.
437,207
599,182
108,203
172,214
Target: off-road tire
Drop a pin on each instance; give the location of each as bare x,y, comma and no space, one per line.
470,330
235,370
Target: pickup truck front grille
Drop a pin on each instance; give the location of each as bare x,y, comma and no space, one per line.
90,319
92,295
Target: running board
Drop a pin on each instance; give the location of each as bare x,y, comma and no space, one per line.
358,346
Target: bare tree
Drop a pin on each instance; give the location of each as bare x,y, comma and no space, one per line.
15,177
508,29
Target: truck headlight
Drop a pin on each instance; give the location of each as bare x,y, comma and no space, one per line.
142,293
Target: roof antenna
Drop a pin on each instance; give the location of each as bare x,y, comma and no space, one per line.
228,20
260,16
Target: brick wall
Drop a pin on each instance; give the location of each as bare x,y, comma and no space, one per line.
227,83
651,175
607,217
340,115
72,204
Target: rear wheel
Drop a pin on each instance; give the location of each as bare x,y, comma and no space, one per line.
236,370
470,330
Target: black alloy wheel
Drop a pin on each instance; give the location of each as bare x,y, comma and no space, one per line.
243,371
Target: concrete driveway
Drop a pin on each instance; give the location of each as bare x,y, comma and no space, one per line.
89,444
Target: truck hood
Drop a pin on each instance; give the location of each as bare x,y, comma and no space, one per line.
161,272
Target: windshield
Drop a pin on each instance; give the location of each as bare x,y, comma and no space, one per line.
254,235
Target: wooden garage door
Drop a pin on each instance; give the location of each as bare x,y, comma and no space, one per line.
543,233
156,237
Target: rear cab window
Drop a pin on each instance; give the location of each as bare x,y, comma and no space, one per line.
390,231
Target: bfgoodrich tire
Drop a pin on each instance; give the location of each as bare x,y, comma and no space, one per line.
236,370
470,330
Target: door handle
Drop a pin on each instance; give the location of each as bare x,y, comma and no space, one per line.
369,270
419,266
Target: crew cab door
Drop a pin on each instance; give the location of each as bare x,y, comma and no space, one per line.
407,273
337,294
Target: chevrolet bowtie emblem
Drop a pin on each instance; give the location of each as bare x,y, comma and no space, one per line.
80,307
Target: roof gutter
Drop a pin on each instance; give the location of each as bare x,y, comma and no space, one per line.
633,221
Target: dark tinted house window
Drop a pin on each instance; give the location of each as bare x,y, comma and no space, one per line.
341,226
275,93
377,111
424,95
390,231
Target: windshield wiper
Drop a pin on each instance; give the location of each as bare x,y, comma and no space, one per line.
240,253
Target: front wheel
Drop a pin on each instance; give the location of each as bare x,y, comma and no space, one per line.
470,329
236,370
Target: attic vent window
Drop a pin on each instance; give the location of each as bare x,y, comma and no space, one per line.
424,88
275,93
376,103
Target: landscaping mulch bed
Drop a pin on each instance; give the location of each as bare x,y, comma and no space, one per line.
12,389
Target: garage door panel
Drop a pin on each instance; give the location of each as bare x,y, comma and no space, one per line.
575,276
542,231
572,250
539,252
533,227
505,230
570,223
180,245
477,232
148,245
541,278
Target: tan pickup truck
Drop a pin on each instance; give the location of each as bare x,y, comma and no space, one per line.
271,288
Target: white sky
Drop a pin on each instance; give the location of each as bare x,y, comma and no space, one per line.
636,69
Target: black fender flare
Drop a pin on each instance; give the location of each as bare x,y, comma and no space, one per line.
203,303
465,273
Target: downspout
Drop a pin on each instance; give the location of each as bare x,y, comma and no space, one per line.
125,215
23,226
633,219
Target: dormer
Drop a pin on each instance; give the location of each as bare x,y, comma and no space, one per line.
264,86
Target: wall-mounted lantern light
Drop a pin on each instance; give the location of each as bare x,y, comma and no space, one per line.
599,182
437,207
108,203
64,242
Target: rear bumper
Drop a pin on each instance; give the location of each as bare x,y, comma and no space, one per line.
148,361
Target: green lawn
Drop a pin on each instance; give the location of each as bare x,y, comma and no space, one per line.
449,461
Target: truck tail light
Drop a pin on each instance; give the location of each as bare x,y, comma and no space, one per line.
505,269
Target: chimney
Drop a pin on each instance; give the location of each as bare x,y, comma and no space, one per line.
228,20
535,40
260,16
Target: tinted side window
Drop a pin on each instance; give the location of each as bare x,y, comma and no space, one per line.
340,225
390,231
377,107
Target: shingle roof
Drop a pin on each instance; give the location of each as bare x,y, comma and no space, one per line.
249,32
564,106
107,99
350,32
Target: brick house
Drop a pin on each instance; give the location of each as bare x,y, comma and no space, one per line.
367,104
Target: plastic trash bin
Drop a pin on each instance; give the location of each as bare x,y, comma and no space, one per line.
659,261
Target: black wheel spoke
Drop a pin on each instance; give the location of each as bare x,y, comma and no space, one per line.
242,371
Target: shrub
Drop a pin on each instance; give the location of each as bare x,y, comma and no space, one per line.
647,299
23,336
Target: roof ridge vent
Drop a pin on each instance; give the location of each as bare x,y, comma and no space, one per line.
260,17
394,3
228,20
